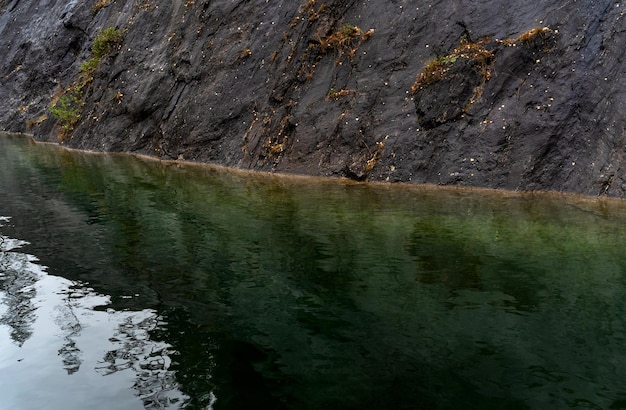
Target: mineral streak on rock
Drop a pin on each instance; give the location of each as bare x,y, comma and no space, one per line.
333,88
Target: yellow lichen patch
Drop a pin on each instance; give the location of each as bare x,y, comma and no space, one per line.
246,52
277,144
529,36
336,95
276,148
30,124
100,5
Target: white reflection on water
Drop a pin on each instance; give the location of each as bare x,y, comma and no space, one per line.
58,352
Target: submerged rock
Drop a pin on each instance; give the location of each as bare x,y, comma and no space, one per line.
332,88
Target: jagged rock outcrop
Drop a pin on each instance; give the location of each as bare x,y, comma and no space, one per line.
329,87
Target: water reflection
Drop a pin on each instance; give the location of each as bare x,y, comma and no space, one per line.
250,292
18,274
50,319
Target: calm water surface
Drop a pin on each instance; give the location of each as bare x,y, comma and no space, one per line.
130,284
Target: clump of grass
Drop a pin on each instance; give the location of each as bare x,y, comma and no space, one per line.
437,68
434,71
105,41
348,30
345,38
341,38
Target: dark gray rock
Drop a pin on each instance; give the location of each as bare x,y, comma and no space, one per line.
272,85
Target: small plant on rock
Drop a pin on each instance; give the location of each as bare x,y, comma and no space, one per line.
89,66
105,41
67,106
341,39
347,38
103,44
67,111
436,69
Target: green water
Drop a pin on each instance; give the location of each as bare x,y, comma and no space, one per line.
128,283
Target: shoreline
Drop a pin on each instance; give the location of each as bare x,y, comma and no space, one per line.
568,197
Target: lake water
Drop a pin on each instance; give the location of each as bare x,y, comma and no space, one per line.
128,283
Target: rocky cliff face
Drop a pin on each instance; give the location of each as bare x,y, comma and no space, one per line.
503,94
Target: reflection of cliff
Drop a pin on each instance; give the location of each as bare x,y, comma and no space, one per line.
71,326
156,385
18,274
51,318
128,345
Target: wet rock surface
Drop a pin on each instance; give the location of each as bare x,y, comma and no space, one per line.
327,88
